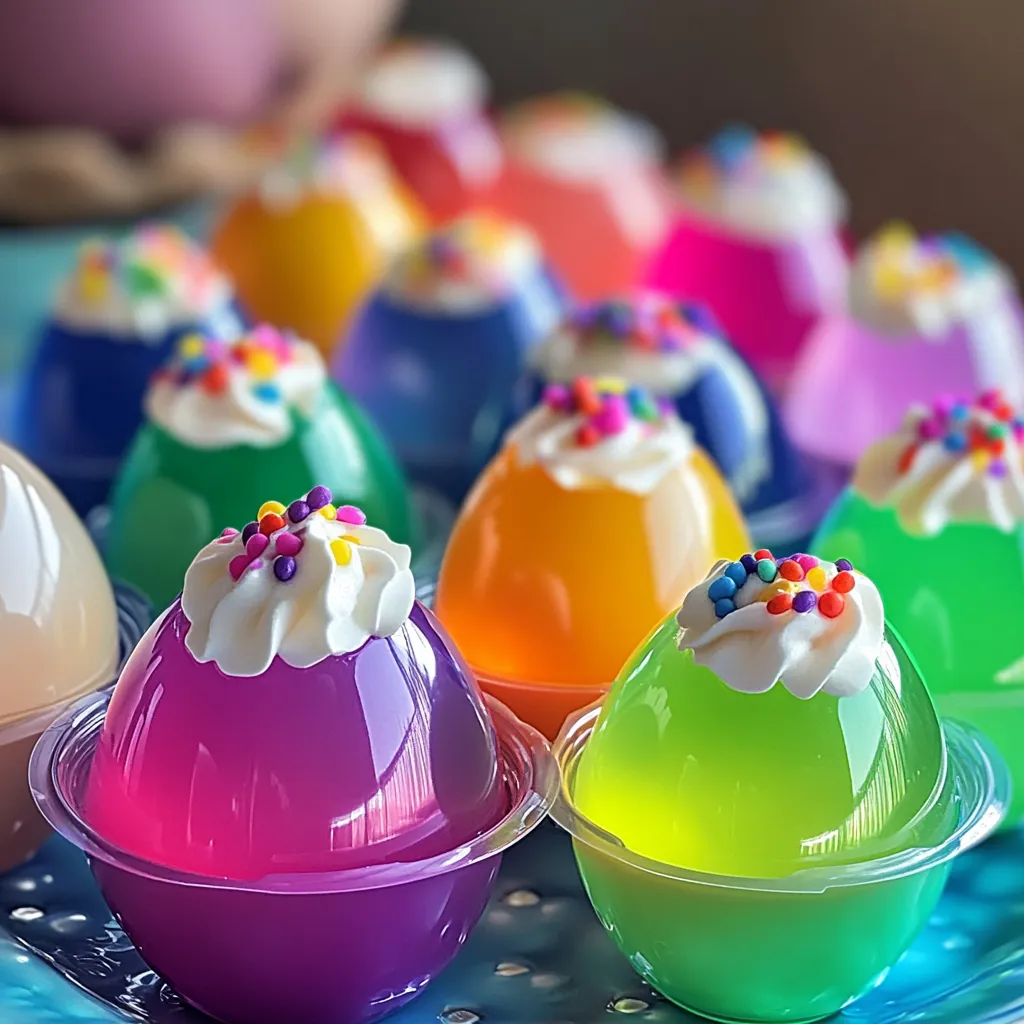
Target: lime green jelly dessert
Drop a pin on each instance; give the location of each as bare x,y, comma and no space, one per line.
765,807
225,422
944,492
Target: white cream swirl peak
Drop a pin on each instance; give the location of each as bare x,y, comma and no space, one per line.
956,462
811,625
602,432
217,393
301,583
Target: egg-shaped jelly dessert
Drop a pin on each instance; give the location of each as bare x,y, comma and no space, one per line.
943,491
765,808
296,756
436,352
226,420
758,237
588,179
926,316
599,490
678,351
306,246
58,633
115,320
424,101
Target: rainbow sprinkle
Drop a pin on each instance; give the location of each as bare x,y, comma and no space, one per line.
207,362
905,264
979,431
155,263
649,322
797,583
275,536
738,151
608,406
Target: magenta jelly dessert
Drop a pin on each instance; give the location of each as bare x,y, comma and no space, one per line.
927,316
295,763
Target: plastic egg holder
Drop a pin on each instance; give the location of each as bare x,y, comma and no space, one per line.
947,490
926,317
758,856
376,805
757,238
600,486
435,354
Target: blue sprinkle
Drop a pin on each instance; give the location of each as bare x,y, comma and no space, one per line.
749,562
724,606
737,572
970,256
955,443
267,392
730,146
722,587
959,411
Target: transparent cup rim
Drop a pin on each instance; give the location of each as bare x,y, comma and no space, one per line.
979,774
524,754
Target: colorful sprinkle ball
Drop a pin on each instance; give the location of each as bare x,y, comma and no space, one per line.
608,405
208,362
155,263
736,152
797,583
275,536
905,264
980,431
649,322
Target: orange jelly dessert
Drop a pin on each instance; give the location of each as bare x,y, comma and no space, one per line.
590,525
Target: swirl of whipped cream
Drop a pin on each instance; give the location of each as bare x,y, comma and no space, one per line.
579,137
769,186
466,266
244,391
952,463
421,83
600,439
821,631
309,589
905,286
141,287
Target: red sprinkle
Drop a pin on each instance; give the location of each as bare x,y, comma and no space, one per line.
762,553
780,603
790,570
588,402
587,436
844,582
215,380
906,459
831,603
271,523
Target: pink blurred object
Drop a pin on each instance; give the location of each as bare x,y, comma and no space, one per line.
128,67
767,295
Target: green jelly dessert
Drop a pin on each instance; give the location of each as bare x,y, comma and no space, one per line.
226,421
944,492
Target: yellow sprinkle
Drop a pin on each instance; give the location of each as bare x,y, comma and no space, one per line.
262,364
778,586
342,551
191,346
890,280
981,458
270,506
817,578
329,512
611,385
351,539
897,234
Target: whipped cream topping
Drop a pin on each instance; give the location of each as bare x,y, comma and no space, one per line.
142,286
902,285
579,137
811,625
769,186
952,463
602,432
465,266
422,83
301,583
216,393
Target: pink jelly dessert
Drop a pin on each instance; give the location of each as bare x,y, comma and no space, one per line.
926,317
757,238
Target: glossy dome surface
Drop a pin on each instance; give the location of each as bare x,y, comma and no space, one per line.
541,584
58,622
380,755
689,772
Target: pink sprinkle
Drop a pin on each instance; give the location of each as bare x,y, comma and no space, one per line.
806,562
288,544
237,566
989,399
558,397
256,545
350,514
256,563
614,415
930,430
944,404
227,535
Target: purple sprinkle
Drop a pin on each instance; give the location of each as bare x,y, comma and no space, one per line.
844,565
318,498
997,468
749,562
284,568
298,511
248,530
804,601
